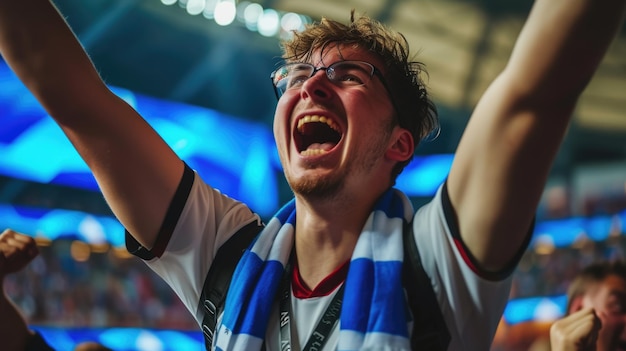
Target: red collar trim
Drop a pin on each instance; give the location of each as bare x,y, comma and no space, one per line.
324,288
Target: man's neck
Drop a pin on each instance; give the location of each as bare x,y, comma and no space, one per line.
326,236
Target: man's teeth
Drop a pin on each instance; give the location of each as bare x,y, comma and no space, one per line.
313,152
320,119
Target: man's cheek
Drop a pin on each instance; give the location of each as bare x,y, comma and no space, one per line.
612,326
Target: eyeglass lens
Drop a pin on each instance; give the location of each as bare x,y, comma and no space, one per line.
342,73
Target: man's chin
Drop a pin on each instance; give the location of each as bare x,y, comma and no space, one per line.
316,187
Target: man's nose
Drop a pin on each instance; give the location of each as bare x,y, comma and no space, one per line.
318,85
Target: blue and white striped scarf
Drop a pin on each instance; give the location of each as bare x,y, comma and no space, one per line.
374,314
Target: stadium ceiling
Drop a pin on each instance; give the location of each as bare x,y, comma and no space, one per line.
165,52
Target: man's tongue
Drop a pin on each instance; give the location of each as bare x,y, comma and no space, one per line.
317,149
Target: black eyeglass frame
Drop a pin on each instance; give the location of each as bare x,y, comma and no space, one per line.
375,72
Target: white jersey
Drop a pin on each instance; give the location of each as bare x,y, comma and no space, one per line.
470,300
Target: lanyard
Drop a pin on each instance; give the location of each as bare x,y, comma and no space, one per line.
329,319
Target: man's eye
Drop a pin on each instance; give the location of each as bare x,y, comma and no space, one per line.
350,78
297,80
350,75
616,307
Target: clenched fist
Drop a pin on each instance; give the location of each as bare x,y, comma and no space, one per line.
16,251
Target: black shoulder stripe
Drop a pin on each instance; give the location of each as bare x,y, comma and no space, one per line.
169,222
470,260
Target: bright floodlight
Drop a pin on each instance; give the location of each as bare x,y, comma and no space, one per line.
291,22
268,23
225,12
195,7
251,15
168,2
209,9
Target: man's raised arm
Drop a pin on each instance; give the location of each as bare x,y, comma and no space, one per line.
136,170
508,147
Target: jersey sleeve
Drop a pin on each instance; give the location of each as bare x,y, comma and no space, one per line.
471,299
199,220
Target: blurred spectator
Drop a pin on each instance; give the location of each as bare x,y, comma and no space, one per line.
596,310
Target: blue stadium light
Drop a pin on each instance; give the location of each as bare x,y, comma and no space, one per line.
233,155
547,308
565,232
424,175
62,224
600,227
123,339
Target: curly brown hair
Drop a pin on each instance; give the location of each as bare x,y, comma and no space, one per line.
416,112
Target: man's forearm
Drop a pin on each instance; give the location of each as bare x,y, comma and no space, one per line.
562,44
14,332
41,49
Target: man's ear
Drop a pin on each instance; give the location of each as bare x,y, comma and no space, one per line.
402,146
576,305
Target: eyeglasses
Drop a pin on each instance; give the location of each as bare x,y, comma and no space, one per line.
341,73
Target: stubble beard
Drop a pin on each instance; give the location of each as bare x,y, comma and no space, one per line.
321,188
331,186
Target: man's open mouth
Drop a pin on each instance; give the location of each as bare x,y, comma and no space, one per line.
316,135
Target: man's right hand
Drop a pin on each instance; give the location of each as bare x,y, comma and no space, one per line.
576,332
16,251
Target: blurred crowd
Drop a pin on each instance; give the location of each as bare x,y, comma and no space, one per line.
72,285
107,289
63,288
550,273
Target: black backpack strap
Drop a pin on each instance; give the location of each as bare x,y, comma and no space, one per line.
429,328
218,279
